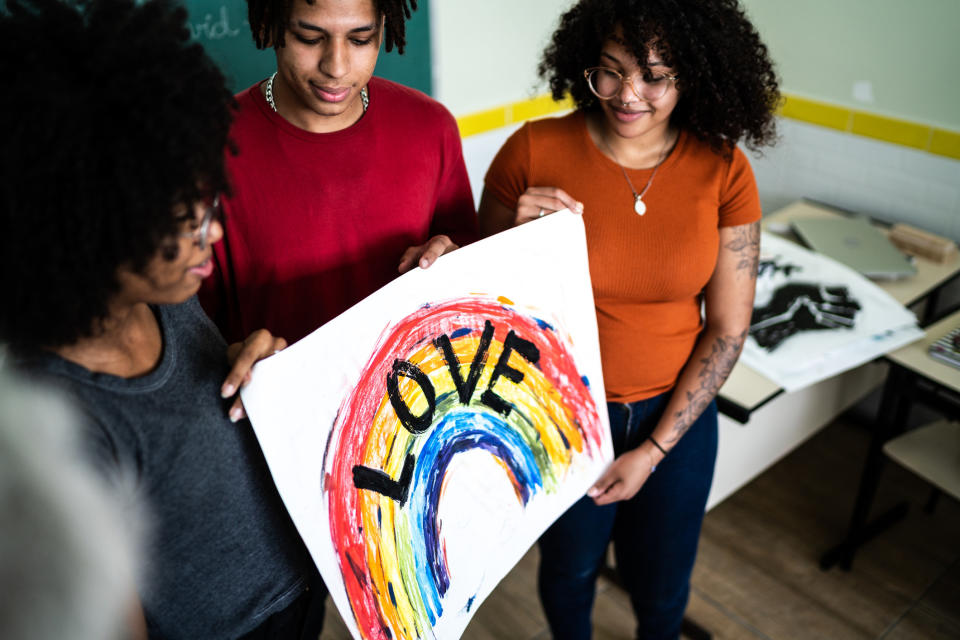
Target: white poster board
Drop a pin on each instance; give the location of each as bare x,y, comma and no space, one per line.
815,317
426,437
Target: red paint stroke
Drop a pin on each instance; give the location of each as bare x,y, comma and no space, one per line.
356,417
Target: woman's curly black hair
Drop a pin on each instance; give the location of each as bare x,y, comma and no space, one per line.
269,19
728,85
114,117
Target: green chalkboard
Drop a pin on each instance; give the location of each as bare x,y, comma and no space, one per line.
221,27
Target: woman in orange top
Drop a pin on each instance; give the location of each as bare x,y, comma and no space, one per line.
664,89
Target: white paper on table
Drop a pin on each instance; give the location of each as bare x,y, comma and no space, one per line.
881,325
484,479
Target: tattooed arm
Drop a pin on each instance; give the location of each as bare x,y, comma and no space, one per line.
728,304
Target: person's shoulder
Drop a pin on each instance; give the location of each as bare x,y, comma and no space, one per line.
186,311
738,157
187,320
405,101
401,94
245,99
562,124
561,127
246,104
732,154
41,366
700,151
553,132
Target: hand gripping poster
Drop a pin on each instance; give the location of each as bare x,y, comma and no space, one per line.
425,438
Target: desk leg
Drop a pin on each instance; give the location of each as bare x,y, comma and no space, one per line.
930,307
932,500
892,415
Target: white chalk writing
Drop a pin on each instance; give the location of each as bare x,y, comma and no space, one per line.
214,27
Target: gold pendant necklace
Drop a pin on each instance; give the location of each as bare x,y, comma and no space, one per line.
638,204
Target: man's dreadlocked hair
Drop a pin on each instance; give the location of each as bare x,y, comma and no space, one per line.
269,19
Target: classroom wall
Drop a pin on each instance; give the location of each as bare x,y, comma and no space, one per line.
485,54
888,56
870,121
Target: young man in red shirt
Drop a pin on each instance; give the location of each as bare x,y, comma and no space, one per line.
340,180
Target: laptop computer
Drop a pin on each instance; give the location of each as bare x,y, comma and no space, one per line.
856,243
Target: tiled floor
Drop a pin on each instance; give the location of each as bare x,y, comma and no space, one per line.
757,573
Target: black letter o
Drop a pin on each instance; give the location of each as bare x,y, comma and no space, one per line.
414,424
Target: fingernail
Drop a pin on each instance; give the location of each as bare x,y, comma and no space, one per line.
227,391
579,207
235,414
424,263
593,492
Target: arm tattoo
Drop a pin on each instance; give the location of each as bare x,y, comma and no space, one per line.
716,368
746,244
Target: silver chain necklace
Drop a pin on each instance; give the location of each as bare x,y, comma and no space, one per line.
638,204
364,96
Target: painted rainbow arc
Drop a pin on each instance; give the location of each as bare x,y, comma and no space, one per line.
537,420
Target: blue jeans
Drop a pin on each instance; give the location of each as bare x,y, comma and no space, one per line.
655,533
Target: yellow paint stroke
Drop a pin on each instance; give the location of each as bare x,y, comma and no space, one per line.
389,442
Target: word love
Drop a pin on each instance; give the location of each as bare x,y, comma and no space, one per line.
376,480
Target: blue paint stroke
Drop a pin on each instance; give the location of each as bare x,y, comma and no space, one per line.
543,324
459,432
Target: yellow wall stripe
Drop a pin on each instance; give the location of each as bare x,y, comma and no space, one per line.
484,121
941,142
945,143
539,107
892,130
516,112
825,115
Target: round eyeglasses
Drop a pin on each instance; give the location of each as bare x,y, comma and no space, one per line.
202,232
607,83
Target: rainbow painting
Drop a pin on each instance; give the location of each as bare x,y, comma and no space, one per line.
467,376
425,438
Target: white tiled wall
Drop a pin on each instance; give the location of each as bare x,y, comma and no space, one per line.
886,181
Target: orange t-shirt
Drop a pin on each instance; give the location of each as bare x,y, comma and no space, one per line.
648,272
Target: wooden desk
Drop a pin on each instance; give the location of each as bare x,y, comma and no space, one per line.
916,357
746,390
759,423
914,377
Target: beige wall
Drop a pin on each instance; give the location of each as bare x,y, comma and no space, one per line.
888,56
485,54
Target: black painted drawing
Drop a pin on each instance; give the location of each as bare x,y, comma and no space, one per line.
802,306
814,317
767,268
796,307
